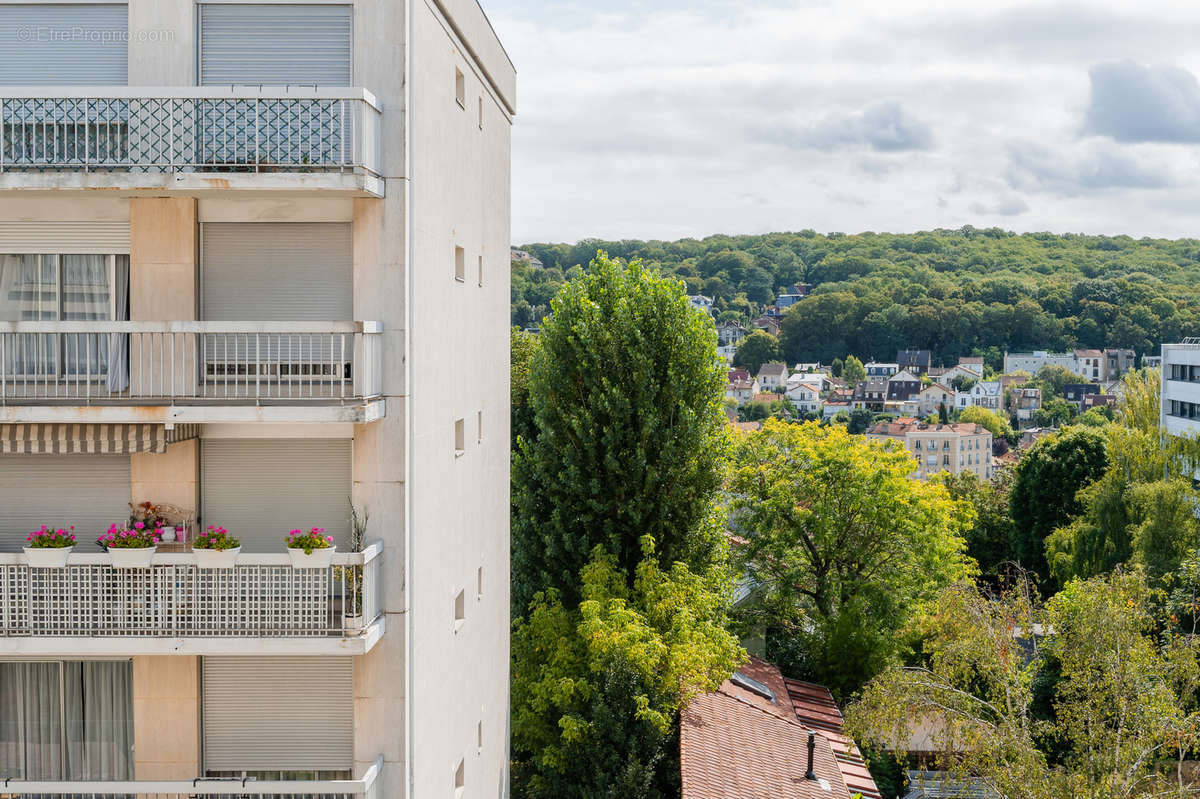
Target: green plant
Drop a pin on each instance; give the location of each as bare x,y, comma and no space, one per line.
313,539
51,538
217,538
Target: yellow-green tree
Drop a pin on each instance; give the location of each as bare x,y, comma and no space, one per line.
991,421
842,544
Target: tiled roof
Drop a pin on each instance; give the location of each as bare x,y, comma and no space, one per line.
737,744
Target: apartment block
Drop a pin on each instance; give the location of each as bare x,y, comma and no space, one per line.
955,448
1181,387
254,264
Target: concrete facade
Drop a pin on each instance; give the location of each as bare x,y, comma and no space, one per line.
433,472
1180,412
954,448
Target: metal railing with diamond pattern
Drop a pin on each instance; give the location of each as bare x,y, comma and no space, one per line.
201,129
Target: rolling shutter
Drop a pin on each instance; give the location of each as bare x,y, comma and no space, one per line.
285,272
275,45
87,491
258,489
64,45
64,238
278,713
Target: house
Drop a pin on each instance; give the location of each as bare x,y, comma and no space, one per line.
1022,403
767,324
1091,364
742,391
870,394
934,397
903,385
915,361
956,372
738,374
805,396
956,448
884,370
730,332
230,277
1118,362
984,394
1093,400
1180,414
527,258
772,376
972,362
786,737
785,301
701,303
817,380
767,397
727,351
1033,362
831,408
1075,392
811,367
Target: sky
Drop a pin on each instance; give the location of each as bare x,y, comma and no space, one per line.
670,119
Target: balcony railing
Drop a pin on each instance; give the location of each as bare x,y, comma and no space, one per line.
263,596
367,787
192,129
182,362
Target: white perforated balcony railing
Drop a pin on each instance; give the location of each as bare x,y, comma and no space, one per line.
262,597
259,130
139,363
366,787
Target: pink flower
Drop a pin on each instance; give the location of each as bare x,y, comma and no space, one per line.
329,538
139,525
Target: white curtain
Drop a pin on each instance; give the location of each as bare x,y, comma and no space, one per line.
118,343
86,297
71,720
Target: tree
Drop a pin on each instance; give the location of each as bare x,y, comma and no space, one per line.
991,421
523,346
597,688
1048,477
1054,380
989,539
1119,703
1055,412
756,349
835,368
858,421
620,451
853,371
843,545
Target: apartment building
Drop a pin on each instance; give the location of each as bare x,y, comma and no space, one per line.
955,448
254,268
1181,387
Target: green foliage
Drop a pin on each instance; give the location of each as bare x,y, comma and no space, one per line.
955,292
755,350
522,347
1055,379
631,437
1043,497
1095,709
991,421
1055,412
844,545
596,688
1098,416
853,371
858,421
989,539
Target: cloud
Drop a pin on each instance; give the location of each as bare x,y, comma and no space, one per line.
885,126
1008,205
1072,171
1134,103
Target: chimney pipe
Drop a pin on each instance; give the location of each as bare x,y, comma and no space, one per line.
812,745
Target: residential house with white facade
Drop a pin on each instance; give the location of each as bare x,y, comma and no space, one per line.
730,332
742,390
701,303
955,448
773,377
984,394
935,397
245,249
806,397
883,370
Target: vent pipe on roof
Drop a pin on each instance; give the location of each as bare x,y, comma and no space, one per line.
812,745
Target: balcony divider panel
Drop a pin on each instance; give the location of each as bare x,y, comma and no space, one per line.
41,49
278,713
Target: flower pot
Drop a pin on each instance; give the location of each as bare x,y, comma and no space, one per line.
216,558
131,558
319,559
166,534
353,624
47,557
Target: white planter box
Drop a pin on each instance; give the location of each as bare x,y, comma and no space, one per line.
319,559
216,558
47,557
128,558
166,534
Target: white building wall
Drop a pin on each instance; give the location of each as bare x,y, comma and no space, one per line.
1179,390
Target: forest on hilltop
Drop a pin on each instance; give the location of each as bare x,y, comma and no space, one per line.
955,292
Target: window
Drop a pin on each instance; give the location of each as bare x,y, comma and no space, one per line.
481,113
481,271
460,88
945,460
460,436
460,610
479,583
479,427
479,737
460,264
460,780
66,720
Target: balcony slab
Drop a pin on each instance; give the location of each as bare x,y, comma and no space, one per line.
191,184
210,412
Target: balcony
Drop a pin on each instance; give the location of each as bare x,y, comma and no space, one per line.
262,605
191,141
190,372
200,788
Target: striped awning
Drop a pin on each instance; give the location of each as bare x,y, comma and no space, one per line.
95,439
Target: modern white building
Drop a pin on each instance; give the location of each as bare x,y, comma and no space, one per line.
1181,387
254,266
